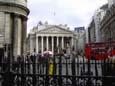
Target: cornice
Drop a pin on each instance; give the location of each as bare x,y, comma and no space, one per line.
15,5
110,15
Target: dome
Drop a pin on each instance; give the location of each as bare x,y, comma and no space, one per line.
19,2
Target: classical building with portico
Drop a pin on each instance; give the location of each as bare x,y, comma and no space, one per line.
53,38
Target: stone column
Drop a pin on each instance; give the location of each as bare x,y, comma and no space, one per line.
31,44
17,35
57,44
24,34
6,23
7,28
47,38
57,41
52,44
72,42
68,45
36,44
62,42
75,44
2,28
42,43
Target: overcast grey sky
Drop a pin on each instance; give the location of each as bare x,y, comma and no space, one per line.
72,12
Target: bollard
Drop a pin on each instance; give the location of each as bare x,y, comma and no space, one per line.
60,70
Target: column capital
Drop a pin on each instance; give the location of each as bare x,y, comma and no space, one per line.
57,36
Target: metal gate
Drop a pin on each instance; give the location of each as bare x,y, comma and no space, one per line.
57,71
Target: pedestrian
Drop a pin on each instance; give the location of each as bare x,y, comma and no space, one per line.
65,55
32,58
19,59
28,63
20,62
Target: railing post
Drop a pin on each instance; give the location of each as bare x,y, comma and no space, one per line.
55,65
60,71
66,71
73,72
96,70
47,68
89,72
34,70
78,66
22,71
54,69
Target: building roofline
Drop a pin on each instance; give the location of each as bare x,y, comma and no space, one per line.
16,5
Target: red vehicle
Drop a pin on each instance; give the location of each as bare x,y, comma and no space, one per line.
100,50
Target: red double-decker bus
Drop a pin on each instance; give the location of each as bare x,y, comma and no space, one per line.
100,50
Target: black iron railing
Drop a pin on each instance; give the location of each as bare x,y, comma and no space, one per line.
58,71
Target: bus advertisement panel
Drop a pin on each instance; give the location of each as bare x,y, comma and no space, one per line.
100,50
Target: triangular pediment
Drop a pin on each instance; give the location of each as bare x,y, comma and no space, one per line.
55,29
